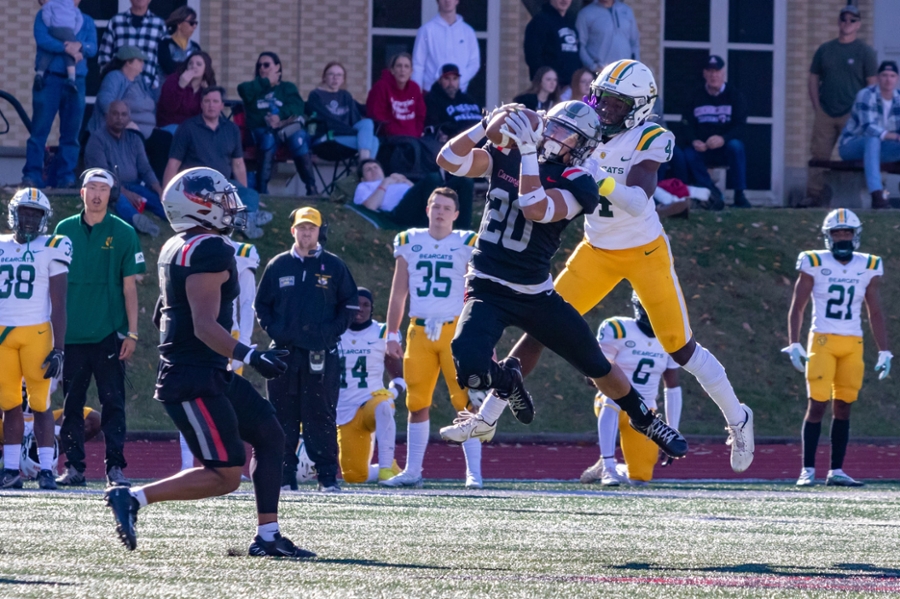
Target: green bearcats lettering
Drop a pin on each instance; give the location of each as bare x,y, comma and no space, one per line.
19,281
640,376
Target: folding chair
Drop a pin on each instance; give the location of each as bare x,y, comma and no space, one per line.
343,159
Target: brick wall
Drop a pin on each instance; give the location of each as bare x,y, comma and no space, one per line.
513,70
17,48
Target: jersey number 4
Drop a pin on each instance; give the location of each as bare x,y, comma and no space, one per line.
19,281
504,222
834,307
358,372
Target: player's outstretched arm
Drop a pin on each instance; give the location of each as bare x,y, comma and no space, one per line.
396,307
795,351
59,285
459,155
637,191
879,330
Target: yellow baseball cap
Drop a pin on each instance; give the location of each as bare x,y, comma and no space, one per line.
306,215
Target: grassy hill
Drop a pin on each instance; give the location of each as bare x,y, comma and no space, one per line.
737,271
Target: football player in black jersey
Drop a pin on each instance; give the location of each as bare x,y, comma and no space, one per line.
215,409
536,190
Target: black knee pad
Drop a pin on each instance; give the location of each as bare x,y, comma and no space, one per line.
468,379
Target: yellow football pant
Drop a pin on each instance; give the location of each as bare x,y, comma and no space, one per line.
355,442
591,273
639,452
22,351
422,362
835,367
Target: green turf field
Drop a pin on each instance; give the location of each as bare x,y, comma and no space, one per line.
511,540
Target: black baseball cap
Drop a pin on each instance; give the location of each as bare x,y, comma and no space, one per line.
888,65
714,63
851,10
449,69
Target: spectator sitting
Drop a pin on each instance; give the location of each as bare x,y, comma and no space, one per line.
275,116
715,124
395,101
449,110
608,32
120,151
873,132
445,39
580,87
209,139
177,47
339,115
179,98
551,40
135,27
63,21
543,93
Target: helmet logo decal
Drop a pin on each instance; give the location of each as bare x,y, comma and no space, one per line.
194,188
622,71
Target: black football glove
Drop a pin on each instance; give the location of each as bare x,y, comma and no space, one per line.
269,363
53,363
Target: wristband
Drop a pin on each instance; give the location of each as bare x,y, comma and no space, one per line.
242,353
393,336
131,335
607,186
529,166
476,133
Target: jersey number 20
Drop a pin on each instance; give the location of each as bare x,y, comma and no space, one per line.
505,223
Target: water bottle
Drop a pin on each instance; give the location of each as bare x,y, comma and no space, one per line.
273,106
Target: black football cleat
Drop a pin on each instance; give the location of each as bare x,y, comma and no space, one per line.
10,479
125,508
668,439
278,547
520,402
46,480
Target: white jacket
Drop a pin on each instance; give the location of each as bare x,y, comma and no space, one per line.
437,44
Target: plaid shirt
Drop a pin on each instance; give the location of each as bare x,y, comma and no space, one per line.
866,117
120,32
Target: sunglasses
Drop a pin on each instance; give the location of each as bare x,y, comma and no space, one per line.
263,65
193,23
850,20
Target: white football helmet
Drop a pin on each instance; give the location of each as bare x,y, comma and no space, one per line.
306,469
32,198
203,197
631,81
29,462
842,219
572,124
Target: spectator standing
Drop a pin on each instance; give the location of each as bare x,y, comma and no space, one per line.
551,40
56,96
580,86
121,80
543,92
448,109
445,39
120,151
305,301
137,27
608,32
395,101
63,21
211,140
177,47
840,68
872,133
179,98
337,115
716,123
275,117
106,257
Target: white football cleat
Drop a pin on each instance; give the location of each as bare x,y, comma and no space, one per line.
622,474
807,477
468,426
473,482
740,438
593,473
404,479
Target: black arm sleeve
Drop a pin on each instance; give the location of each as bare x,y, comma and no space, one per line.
582,185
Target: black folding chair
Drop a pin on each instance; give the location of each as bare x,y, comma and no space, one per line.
343,161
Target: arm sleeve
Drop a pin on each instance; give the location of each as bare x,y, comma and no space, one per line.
62,256
44,40
133,259
209,256
580,183
420,113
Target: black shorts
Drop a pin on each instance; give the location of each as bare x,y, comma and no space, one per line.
491,307
213,409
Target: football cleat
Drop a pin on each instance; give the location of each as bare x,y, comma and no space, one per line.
807,477
45,480
520,402
116,478
329,488
72,478
289,481
473,483
622,473
278,547
668,439
837,478
404,479
10,479
666,460
386,473
593,473
468,426
740,438
125,508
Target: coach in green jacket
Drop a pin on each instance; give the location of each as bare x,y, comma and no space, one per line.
103,312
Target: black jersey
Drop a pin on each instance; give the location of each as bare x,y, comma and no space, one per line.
511,247
182,256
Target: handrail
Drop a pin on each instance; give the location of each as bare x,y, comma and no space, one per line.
26,120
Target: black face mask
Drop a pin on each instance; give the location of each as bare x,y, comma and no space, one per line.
643,321
842,249
359,326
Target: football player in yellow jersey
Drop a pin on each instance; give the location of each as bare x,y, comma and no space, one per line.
33,283
839,280
624,239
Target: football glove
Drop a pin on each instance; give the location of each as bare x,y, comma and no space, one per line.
518,128
488,117
53,363
268,363
884,364
798,356
433,328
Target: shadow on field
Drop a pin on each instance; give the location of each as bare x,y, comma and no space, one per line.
377,564
25,582
843,570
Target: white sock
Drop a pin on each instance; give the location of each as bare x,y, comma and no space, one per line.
268,531
472,451
673,406
385,434
187,458
11,455
492,408
416,442
45,458
607,429
138,493
373,473
711,376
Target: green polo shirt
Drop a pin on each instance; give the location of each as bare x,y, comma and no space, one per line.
102,256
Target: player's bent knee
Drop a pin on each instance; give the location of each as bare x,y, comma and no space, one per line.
352,476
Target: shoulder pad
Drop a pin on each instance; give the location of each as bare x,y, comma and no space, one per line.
382,332
191,247
811,257
469,237
54,241
650,133
616,325
402,238
873,262
575,172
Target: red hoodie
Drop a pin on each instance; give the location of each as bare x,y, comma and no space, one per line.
401,110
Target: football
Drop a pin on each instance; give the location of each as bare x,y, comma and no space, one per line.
497,137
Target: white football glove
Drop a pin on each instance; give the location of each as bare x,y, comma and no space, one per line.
518,128
433,328
884,364
497,110
798,356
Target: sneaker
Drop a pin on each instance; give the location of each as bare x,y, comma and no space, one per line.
520,402
615,477
740,200
72,478
45,480
145,224
251,231
404,479
278,547
125,508
622,474
837,478
593,473
740,437
289,481
468,426
807,477
332,487
116,478
261,217
10,479
387,473
473,483
668,439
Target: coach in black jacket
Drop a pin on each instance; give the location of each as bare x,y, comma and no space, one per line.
305,301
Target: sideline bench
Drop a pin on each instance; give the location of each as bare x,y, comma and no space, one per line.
847,181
